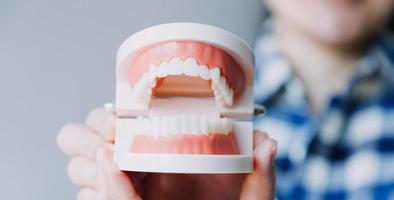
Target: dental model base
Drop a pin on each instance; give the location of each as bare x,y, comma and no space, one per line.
184,101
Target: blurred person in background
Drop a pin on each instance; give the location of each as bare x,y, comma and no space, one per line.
325,73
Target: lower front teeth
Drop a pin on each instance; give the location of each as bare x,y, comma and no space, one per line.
189,125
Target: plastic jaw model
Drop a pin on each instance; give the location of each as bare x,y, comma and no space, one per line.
184,101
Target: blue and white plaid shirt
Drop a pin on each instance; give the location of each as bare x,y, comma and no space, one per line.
348,152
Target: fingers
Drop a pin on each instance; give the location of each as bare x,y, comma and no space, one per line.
261,183
86,194
82,171
111,182
77,139
103,122
258,137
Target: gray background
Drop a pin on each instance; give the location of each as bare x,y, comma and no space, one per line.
57,63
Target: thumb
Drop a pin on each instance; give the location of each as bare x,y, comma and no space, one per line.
261,183
112,184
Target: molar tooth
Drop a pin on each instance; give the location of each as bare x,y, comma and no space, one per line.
191,67
137,86
145,80
152,75
153,84
153,70
175,66
214,74
204,72
163,70
225,125
145,75
145,94
230,127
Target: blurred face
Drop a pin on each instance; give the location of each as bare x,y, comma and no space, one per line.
333,21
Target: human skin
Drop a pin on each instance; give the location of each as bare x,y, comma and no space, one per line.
335,32
92,169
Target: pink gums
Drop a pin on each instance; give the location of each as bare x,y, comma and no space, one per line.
205,54
186,144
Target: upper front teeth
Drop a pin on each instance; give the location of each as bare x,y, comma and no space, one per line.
175,66
223,93
191,67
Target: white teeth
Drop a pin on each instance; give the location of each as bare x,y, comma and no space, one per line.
195,125
204,125
143,87
214,74
163,70
155,123
175,66
152,72
146,126
204,72
182,125
174,127
191,67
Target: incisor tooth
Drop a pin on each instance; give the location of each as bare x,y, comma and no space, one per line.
191,67
184,125
174,124
163,70
164,126
204,72
195,125
155,126
204,125
175,66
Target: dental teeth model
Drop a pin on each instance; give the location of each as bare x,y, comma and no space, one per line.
184,101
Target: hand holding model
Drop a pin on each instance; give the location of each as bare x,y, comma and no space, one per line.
94,171
182,124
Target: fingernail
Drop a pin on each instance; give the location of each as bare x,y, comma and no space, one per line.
273,152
